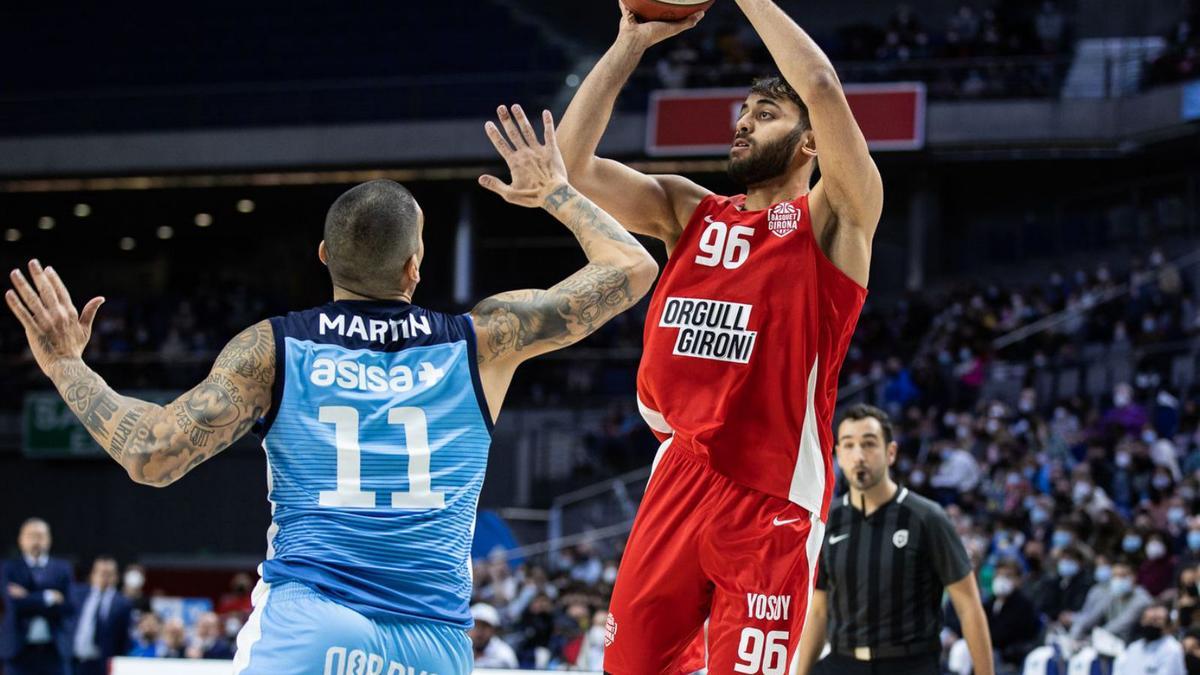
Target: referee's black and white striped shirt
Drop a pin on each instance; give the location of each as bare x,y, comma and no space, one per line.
885,574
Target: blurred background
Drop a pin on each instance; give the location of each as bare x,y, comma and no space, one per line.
1033,326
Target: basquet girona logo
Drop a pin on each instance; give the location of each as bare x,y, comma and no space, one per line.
783,219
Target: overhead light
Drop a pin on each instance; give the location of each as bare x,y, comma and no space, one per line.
127,243
245,206
166,232
82,210
12,234
45,223
203,220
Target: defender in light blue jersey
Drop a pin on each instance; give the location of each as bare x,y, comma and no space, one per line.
375,415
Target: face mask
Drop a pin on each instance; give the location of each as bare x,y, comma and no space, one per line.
1176,514
1060,539
1155,550
610,575
917,478
1038,516
993,425
1067,568
134,580
1161,482
1149,633
1131,543
1121,399
1081,491
1124,459
1002,587
1103,574
1193,539
1121,586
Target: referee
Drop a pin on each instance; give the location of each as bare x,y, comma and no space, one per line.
888,555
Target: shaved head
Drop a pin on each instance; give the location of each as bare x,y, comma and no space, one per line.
371,231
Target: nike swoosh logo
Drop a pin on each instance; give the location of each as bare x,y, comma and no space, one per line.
779,522
835,539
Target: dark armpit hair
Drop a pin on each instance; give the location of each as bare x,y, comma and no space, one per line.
774,86
862,411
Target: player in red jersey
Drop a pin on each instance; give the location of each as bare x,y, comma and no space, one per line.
744,339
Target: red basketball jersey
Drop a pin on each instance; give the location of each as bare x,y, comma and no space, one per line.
744,339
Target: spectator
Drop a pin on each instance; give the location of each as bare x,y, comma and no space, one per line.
490,650
1012,619
134,588
1064,592
1157,572
102,620
146,642
237,600
174,639
34,639
1191,651
1155,650
1116,606
210,642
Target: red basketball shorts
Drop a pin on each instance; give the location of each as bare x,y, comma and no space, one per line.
704,547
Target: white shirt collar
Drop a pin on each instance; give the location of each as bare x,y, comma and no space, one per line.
41,561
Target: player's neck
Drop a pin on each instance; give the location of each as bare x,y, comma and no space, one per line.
340,293
869,501
766,195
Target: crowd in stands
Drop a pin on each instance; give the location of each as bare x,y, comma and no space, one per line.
1006,49
1181,60
51,621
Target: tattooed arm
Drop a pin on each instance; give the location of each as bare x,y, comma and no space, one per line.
155,444
518,325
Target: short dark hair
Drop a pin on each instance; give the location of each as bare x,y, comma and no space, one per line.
862,411
370,233
774,86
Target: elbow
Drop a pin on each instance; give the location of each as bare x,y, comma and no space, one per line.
642,274
150,479
578,165
822,82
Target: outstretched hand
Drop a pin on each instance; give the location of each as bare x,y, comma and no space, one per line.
537,167
55,329
646,34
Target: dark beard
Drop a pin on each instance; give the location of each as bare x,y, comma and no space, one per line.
769,162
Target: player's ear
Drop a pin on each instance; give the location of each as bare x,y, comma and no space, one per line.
412,269
323,253
808,143
892,449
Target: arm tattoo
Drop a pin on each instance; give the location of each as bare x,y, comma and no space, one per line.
576,307
561,316
159,444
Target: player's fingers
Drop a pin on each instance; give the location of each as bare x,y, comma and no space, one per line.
526,128
498,140
18,308
550,132
494,184
510,128
60,290
28,295
89,313
42,282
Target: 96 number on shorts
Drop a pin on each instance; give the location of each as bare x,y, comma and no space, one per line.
762,653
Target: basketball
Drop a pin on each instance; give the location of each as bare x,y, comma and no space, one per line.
667,10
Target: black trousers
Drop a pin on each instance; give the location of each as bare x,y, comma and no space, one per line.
37,660
922,664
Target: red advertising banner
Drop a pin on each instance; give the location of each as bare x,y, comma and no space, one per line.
701,121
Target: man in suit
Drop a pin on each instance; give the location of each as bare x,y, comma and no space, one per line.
35,586
102,620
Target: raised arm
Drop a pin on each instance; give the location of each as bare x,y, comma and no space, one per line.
518,325
155,444
848,200
657,206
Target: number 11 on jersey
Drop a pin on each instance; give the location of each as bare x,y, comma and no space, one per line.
349,492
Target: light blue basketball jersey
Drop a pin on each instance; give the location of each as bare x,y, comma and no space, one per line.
376,444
